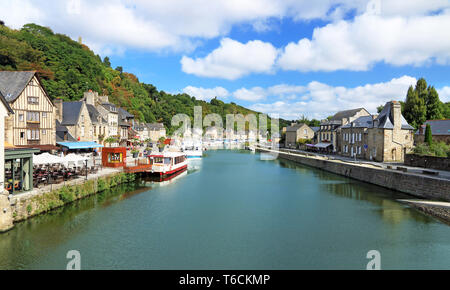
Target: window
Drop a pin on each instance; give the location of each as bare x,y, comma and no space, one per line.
32,116
95,130
353,138
22,135
82,131
20,117
44,114
360,137
33,134
44,132
305,131
359,149
33,100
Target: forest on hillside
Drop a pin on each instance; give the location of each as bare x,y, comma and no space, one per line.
68,68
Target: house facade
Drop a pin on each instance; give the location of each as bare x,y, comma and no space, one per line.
33,123
156,131
384,138
296,132
75,117
330,130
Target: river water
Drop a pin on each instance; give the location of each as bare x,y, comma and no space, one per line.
233,211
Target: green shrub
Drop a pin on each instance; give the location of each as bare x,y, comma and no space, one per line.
66,194
436,149
101,186
29,208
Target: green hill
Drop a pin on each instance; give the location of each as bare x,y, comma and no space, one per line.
68,69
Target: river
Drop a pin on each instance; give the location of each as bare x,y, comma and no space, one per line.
233,211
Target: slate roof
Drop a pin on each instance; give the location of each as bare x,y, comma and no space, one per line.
294,128
155,126
386,119
71,113
12,83
361,122
438,127
2,98
315,129
125,114
345,114
110,107
94,114
60,131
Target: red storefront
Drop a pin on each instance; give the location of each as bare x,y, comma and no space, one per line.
114,156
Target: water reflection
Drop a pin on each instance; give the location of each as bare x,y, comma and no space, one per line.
390,210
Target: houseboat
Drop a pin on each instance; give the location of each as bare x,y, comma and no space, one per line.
167,163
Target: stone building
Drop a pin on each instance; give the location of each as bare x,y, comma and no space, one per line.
156,131
75,117
384,138
33,123
296,132
125,124
440,131
330,130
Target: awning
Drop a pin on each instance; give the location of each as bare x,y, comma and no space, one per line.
323,145
80,145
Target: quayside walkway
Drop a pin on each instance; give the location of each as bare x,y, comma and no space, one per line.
388,166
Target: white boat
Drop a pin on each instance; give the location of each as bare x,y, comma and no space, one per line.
190,154
167,163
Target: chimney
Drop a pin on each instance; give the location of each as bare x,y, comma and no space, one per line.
59,109
396,110
90,97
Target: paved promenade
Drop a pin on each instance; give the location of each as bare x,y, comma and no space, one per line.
394,166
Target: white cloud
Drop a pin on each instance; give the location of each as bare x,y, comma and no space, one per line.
444,94
206,94
319,100
233,60
252,95
371,38
153,25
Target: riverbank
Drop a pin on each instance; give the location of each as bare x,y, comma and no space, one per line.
23,206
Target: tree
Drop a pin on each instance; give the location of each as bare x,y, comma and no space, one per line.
428,135
2,23
106,61
433,105
415,109
380,108
446,110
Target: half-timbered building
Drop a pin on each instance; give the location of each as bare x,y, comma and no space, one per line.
33,123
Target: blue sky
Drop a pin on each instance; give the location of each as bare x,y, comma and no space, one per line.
284,57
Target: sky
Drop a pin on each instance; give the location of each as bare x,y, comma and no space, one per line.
287,58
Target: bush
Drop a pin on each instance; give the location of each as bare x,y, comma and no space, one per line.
66,194
435,149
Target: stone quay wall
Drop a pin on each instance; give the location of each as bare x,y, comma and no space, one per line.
439,163
16,208
422,186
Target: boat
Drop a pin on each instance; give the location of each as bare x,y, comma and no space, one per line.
167,163
191,154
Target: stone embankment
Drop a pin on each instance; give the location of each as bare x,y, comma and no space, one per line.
19,207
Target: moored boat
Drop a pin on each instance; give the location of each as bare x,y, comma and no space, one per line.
167,163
